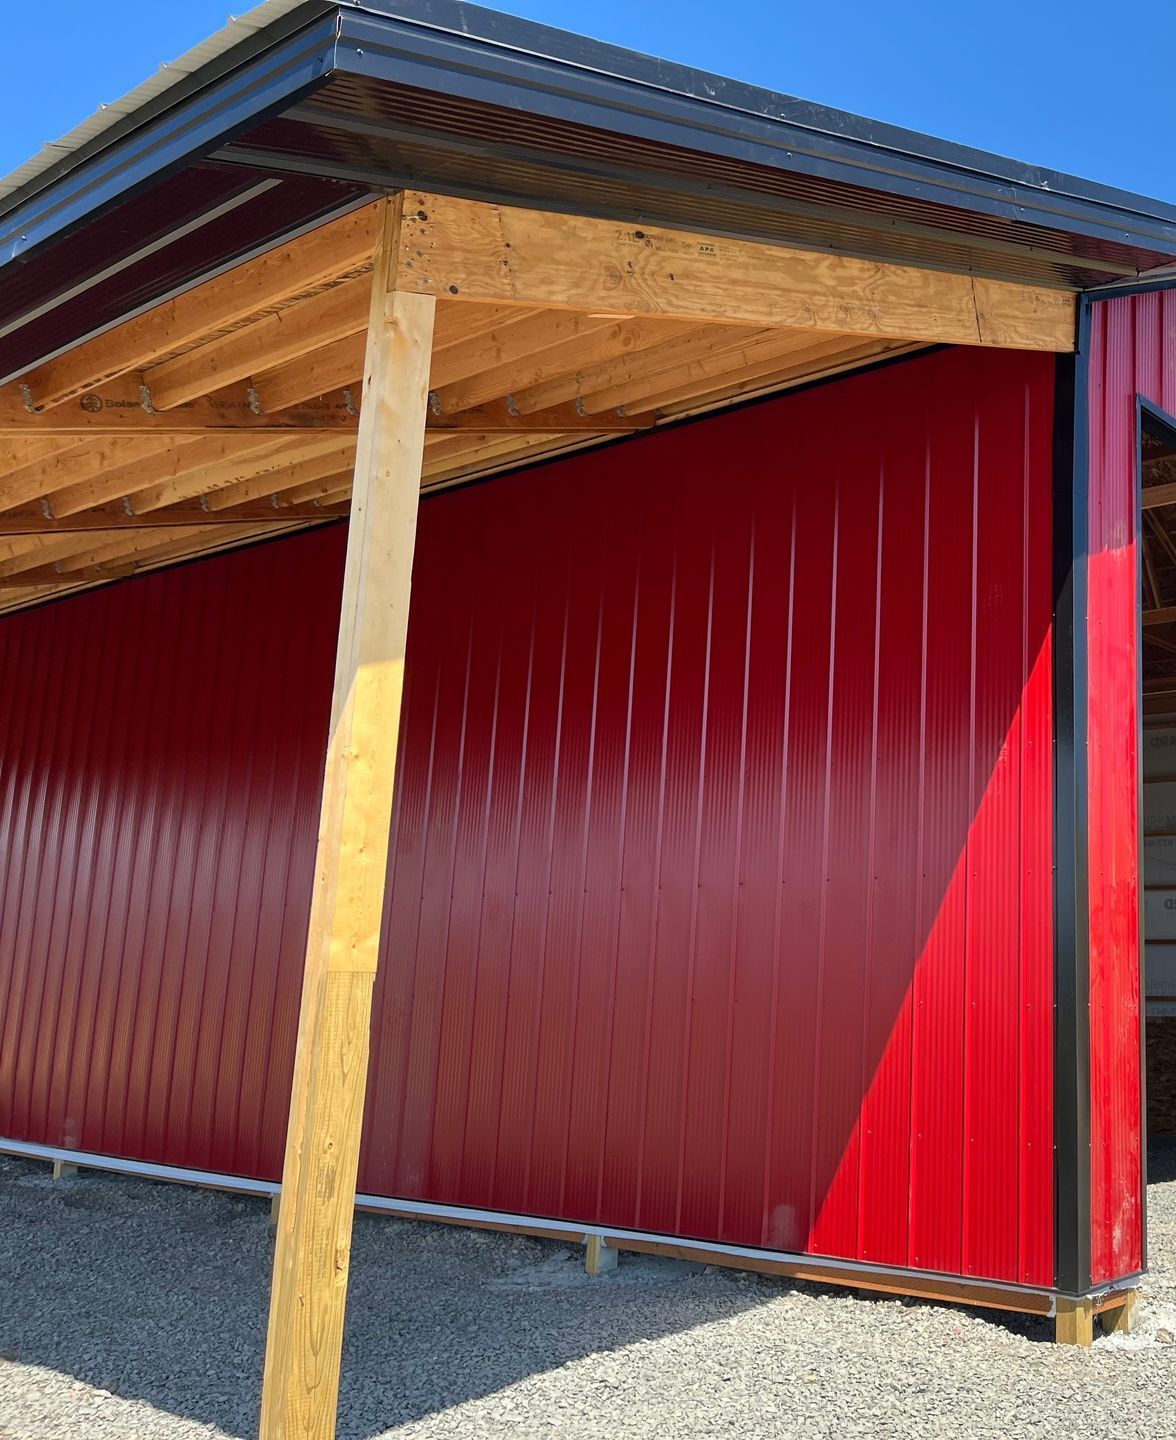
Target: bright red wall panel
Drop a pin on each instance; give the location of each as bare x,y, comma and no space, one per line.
1132,352
722,851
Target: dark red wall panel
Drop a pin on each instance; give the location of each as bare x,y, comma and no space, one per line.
722,847
161,750
1132,352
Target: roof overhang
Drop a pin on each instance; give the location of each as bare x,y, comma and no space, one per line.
184,292
308,113
234,411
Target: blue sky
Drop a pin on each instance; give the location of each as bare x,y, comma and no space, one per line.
1069,85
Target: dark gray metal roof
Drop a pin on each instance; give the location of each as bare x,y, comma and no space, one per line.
306,106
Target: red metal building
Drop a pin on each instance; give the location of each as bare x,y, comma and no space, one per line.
765,862
722,867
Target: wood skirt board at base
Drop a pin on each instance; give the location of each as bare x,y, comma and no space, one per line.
1115,1307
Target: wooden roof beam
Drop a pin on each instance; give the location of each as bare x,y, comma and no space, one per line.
339,365
191,541
758,362
38,551
499,460
274,339
258,512
278,478
104,483
258,469
270,279
747,387
1154,496
649,349
80,464
502,417
502,255
571,351
121,408
762,348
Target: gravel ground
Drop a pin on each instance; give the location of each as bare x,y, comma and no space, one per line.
133,1311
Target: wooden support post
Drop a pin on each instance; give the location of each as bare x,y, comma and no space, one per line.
599,1258
1120,1319
301,1388
63,1170
1075,1322
275,1208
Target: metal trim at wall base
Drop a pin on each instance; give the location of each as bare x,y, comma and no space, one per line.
139,1169
919,1284
1072,1180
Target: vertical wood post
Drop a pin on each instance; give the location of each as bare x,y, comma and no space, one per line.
1074,1323
1120,1319
301,1388
599,1258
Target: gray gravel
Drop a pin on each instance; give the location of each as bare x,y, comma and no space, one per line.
134,1310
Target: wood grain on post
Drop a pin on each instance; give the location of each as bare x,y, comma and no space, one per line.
301,1388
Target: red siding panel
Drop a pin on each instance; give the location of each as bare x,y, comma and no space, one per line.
162,756
721,897
1133,352
740,926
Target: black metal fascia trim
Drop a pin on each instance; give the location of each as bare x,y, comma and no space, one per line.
494,28
189,131
1072,1178
178,91
426,56
1116,290
655,186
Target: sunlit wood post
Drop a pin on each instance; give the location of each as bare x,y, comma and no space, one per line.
301,1388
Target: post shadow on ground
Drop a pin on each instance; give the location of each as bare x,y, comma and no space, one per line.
159,1293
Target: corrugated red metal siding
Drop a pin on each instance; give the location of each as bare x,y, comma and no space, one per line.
161,750
1133,352
722,896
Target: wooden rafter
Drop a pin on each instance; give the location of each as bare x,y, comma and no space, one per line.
1154,496
152,473
122,408
1149,571
274,339
217,305
268,512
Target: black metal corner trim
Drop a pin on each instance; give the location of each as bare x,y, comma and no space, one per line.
1072,1181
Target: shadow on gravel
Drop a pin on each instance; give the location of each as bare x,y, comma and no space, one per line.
159,1293
1161,1160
